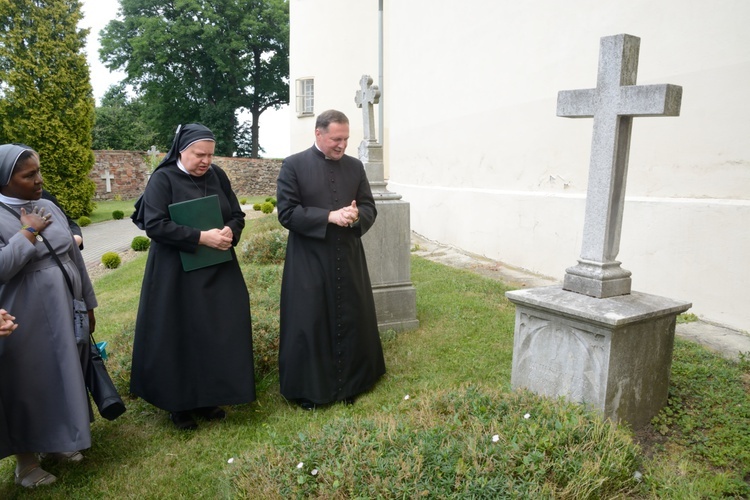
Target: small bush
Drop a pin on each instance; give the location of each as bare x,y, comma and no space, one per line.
256,206
243,201
268,247
111,260
84,221
118,214
271,200
266,207
140,243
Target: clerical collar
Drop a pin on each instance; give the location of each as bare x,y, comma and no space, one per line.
321,152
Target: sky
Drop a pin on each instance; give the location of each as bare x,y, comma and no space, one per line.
274,136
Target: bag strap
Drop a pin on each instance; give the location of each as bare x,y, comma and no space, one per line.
54,256
49,247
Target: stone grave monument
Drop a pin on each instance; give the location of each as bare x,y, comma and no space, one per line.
387,243
594,341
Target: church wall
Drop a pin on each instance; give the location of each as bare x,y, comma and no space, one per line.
474,145
335,53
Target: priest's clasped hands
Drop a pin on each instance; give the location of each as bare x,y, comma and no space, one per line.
220,239
345,216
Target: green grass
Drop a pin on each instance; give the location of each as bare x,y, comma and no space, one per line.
460,433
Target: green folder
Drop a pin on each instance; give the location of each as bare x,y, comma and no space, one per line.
203,214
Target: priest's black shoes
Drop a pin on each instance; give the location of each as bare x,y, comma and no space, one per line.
210,413
183,420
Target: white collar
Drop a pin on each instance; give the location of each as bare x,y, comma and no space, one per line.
15,202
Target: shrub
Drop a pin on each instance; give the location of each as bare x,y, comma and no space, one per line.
118,214
256,206
243,201
264,285
271,200
111,260
84,221
140,243
266,207
268,247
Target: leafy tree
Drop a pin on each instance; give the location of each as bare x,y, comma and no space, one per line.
46,100
120,124
203,61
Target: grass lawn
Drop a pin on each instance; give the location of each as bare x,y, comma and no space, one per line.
442,423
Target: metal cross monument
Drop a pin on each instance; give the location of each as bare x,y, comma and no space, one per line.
368,95
613,104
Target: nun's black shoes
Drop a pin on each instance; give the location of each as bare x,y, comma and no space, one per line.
183,420
210,413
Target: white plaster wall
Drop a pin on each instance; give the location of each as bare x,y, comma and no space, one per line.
334,42
474,144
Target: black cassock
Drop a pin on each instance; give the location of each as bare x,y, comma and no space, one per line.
329,347
193,339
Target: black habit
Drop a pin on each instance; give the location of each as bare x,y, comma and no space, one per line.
193,338
329,342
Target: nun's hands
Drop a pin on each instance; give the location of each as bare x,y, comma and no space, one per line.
37,220
220,239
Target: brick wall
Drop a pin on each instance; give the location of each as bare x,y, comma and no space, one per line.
128,172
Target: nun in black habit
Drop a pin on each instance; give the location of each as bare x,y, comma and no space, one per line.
193,350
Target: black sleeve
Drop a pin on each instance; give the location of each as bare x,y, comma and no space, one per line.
74,227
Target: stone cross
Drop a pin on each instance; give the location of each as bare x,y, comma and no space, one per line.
152,153
368,95
613,104
107,181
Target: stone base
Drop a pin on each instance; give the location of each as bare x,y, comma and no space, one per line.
612,354
387,248
597,279
396,307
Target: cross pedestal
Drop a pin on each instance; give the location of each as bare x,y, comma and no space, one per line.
387,243
594,341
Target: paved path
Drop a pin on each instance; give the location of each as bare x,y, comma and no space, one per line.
110,236
116,236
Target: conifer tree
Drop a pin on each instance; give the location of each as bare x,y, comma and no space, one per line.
46,99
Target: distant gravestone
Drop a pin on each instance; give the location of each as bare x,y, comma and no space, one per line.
108,178
367,95
387,243
593,341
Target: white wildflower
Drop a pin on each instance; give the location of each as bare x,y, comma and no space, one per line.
406,398
314,472
527,416
495,438
638,476
230,461
300,465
